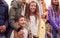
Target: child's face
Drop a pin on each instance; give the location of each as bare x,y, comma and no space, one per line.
22,22
32,7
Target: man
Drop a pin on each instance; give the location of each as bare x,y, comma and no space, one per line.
3,18
17,8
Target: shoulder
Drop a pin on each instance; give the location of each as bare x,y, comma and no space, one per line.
50,7
15,4
5,4
25,31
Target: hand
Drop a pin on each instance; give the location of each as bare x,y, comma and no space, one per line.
0,29
21,34
3,28
44,16
50,35
59,31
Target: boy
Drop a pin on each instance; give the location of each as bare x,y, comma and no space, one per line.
25,33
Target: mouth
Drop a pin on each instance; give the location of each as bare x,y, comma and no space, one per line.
23,23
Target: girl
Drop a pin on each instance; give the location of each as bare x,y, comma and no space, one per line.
32,13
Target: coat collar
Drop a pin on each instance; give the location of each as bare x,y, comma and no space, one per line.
16,4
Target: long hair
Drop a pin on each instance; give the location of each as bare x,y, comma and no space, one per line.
57,6
36,13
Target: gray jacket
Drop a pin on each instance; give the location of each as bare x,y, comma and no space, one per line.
15,10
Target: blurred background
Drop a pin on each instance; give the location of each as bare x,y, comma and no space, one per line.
46,1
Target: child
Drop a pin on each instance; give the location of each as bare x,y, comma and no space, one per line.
25,33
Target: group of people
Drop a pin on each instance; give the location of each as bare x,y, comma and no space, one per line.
29,20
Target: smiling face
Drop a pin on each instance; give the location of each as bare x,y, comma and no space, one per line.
22,22
32,7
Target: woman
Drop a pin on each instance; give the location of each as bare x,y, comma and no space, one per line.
54,16
58,36
32,13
